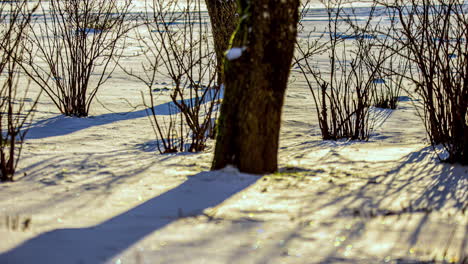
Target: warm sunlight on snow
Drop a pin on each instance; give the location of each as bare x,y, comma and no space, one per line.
97,190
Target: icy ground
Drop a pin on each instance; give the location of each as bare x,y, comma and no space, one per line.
96,190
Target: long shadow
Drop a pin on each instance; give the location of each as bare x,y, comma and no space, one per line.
439,186
120,166
102,242
62,125
449,183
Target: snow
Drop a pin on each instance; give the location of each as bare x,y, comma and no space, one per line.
235,53
95,190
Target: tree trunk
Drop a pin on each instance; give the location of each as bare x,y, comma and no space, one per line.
223,23
256,75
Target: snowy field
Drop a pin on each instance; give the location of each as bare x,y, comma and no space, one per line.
96,190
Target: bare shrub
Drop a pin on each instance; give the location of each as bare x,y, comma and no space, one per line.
389,85
15,107
434,35
342,94
74,49
382,59
178,47
389,67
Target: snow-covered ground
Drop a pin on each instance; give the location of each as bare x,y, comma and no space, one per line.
96,190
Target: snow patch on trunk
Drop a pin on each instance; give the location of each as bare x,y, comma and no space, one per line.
235,53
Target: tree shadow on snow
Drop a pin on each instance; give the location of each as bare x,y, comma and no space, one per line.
62,125
433,185
101,243
103,172
427,186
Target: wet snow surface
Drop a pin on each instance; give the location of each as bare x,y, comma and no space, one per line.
96,190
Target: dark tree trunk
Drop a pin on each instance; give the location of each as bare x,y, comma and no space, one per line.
223,23
256,76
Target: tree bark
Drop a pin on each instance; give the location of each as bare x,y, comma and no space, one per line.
256,75
223,23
